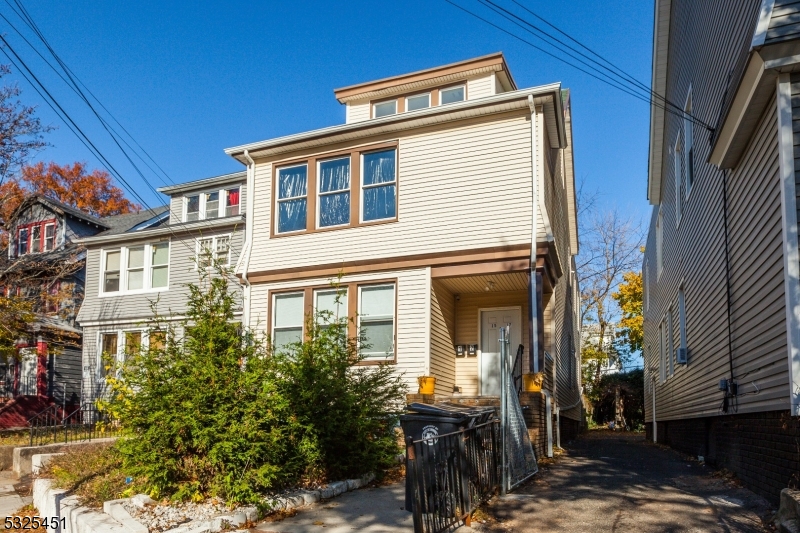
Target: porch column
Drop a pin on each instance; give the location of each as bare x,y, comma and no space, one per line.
41,367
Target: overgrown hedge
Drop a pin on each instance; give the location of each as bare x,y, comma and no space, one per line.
215,412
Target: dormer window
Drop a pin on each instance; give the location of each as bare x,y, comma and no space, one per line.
452,95
384,109
232,202
36,237
212,204
418,101
192,208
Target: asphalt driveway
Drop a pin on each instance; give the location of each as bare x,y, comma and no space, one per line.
621,483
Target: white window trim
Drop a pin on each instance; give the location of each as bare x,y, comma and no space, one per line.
682,315
662,351
319,194
55,236
428,94
213,238
120,333
670,342
375,104
279,200
361,186
223,203
460,86
688,144
123,272
274,314
379,356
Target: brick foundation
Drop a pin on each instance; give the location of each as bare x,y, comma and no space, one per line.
757,447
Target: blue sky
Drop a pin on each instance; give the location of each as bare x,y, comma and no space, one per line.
189,79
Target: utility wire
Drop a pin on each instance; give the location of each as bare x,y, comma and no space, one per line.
604,79
31,23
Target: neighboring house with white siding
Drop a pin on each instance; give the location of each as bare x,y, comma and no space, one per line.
152,257
447,203
722,270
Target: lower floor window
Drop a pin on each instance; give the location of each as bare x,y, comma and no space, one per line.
375,310
376,320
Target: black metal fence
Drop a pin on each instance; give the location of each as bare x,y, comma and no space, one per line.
53,425
452,474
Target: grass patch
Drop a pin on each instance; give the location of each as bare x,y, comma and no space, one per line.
15,438
94,473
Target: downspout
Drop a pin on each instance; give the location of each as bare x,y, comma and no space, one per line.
533,311
248,236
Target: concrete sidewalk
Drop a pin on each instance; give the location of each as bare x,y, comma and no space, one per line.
372,510
622,483
10,501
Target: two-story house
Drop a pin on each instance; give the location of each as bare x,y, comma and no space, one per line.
45,264
721,282
144,264
447,202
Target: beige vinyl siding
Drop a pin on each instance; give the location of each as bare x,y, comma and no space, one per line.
411,322
176,209
442,328
757,285
357,111
480,87
467,327
137,306
460,188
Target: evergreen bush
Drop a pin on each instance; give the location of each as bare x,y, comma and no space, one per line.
213,411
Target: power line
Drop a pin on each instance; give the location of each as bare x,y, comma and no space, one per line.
77,83
604,78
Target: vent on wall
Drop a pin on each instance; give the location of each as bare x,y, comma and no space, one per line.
681,356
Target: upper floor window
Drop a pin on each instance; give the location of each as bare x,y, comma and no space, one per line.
292,198
36,237
452,94
135,268
379,185
334,192
212,204
679,172
418,101
383,109
232,202
339,190
214,250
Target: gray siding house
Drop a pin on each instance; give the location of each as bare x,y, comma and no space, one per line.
145,263
722,290
45,265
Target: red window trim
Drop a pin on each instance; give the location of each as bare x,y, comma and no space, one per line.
43,224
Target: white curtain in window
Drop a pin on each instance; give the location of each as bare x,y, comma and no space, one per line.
380,185
334,190
292,202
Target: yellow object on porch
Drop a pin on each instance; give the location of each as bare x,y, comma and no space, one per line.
532,382
427,384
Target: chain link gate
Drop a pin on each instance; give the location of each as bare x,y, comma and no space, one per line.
518,458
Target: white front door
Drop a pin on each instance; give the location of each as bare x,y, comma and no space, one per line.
27,371
491,322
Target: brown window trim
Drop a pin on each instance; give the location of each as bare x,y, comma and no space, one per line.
352,309
401,99
312,196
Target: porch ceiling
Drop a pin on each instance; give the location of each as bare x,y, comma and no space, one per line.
511,281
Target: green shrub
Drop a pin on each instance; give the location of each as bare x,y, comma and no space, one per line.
213,412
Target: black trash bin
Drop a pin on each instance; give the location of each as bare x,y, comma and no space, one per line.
428,421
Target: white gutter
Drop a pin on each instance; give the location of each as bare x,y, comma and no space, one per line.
534,311
248,237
